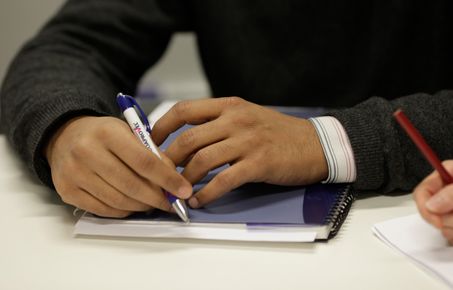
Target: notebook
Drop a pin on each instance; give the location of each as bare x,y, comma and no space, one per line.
252,212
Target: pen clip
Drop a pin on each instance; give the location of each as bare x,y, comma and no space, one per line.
142,114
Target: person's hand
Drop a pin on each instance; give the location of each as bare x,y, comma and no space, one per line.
98,165
260,144
435,201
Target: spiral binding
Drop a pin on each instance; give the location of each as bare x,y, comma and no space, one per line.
341,207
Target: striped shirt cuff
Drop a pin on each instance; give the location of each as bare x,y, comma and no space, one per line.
337,149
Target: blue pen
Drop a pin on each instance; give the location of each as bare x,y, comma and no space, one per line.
141,129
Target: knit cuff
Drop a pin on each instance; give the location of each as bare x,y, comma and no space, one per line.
366,146
38,125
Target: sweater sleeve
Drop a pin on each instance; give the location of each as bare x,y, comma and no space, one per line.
386,159
88,52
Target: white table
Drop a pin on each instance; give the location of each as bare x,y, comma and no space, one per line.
38,251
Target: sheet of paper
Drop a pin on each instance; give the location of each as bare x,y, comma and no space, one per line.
89,225
422,243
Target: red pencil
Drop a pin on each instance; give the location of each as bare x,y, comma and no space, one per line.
418,139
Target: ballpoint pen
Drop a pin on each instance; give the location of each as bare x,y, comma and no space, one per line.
142,129
424,148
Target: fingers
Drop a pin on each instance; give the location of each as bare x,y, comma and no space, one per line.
423,192
146,164
211,157
109,195
83,200
442,201
225,181
195,138
122,179
191,112
100,166
231,130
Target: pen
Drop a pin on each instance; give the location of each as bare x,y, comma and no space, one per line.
418,139
142,130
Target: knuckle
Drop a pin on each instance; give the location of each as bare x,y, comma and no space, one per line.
82,148
233,101
103,132
187,138
243,120
201,158
181,108
222,149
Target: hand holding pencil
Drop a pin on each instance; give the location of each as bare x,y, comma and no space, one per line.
434,195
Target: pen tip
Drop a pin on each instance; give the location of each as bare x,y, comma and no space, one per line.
181,210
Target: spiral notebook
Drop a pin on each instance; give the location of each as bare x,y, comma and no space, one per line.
253,212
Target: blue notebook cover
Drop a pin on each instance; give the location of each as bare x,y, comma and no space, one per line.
265,204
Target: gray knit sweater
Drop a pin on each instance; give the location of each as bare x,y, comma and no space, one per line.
363,58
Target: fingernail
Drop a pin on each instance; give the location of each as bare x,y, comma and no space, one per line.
185,191
193,202
435,202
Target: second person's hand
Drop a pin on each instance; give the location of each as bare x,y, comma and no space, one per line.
98,165
434,201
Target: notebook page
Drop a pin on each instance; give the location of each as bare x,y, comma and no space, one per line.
421,242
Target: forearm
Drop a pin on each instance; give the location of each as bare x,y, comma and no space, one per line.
87,53
386,159
43,89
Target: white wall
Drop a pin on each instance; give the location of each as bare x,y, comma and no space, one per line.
177,75
19,20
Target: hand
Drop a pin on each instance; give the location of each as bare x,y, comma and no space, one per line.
260,144
99,165
435,201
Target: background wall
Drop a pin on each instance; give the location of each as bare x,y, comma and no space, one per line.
178,75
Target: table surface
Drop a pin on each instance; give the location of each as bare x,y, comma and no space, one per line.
39,251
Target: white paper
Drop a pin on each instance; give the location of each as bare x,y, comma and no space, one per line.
421,242
90,225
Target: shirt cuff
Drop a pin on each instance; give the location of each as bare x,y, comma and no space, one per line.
337,149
